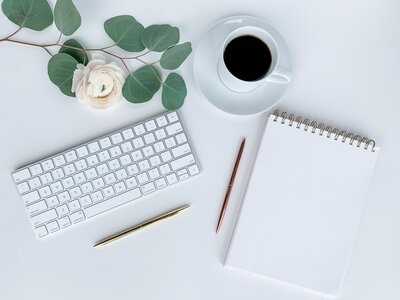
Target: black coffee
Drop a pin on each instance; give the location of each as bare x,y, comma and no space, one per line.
247,58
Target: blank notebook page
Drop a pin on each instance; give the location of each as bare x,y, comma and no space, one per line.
302,207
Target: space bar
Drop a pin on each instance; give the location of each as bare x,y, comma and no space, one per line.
112,202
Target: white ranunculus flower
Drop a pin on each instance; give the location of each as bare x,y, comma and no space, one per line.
98,84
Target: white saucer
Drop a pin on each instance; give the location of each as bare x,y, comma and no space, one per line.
206,75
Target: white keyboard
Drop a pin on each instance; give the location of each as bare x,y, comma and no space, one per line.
92,178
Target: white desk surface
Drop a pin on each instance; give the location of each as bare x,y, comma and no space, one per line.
346,57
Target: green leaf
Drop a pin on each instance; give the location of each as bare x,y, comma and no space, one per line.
174,92
160,37
141,85
79,55
126,32
33,14
175,56
67,17
61,70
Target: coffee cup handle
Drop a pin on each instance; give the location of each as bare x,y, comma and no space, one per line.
279,75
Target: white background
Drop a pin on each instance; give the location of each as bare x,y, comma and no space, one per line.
346,59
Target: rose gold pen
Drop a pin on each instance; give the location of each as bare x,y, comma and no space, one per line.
230,185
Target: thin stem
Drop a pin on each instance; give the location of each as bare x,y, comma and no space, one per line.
59,38
48,51
119,57
12,34
137,56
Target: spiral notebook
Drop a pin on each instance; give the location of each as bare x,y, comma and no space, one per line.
303,204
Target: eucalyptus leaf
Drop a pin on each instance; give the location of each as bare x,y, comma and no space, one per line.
160,37
79,55
174,92
141,85
173,57
67,17
126,32
32,14
61,70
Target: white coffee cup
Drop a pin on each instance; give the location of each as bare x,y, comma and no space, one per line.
279,70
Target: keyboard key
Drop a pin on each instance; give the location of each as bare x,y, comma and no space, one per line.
148,188
126,147
170,142
59,160
155,160
166,156
138,142
139,129
160,134
172,117
113,202
142,178
161,121
48,165
52,201
52,227
81,165
46,178
149,138
171,178
36,170
137,155
128,134
181,172
79,178
62,210
114,164
115,151
165,169
161,183
131,182
74,205
85,201
71,156
116,138
23,187
150,125
56,187
182,162
98,183
68,182
44,217
97,196
193,170
69,169
119,187
92,160
44,192
21,175
91,173
110,178
181,150
108,191
121,174
87,187
181,138
132,169
102,169
82,151
125,160
64,197
153,173
105,142
57,173
184,176
77,217
36,207
64,222
93,147
75,192
174,128
104,155
34,183
159,147
148,151
144,165
41,231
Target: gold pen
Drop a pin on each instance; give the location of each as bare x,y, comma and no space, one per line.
142,225
230,185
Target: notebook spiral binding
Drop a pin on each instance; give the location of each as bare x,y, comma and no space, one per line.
336,133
